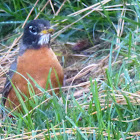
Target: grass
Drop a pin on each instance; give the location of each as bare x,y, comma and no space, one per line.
101,98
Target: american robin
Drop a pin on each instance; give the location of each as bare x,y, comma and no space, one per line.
35,58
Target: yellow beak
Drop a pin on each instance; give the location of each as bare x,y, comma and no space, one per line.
47,31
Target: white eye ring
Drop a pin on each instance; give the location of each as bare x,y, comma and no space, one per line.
33,30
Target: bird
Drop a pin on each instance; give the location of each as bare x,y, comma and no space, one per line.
35,58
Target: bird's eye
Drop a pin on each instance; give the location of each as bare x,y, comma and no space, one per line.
33,30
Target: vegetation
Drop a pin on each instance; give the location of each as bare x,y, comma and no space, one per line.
101,96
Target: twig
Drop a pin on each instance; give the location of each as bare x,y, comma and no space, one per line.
60,8
29,14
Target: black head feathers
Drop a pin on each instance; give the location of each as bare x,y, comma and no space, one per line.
36,34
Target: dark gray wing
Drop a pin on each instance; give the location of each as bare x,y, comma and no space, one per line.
11,72
8,86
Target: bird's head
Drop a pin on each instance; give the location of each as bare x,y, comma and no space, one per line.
37,34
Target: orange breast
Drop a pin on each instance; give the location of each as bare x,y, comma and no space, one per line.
36,63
